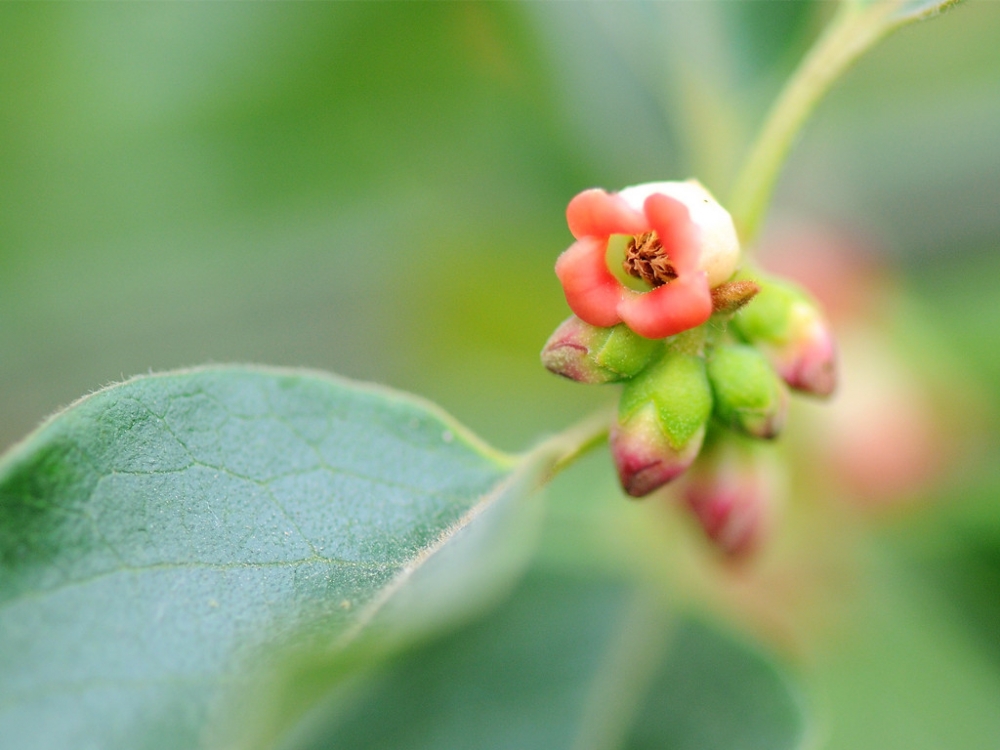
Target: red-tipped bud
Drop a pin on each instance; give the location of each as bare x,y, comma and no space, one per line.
661,422
784,323
643,455
571,352
731,491
590,354
808,362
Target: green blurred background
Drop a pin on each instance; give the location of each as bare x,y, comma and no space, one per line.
378,190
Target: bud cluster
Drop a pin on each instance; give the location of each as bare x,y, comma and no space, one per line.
720,374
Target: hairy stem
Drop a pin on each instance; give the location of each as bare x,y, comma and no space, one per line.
851,32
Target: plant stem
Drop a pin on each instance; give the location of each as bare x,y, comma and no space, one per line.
852,31
575,441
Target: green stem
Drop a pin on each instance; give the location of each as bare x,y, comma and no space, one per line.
852,31
575,441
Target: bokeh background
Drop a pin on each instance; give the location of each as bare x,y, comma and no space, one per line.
378,190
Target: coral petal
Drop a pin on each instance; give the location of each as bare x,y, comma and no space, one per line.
596,213
678,234
670,309
592,292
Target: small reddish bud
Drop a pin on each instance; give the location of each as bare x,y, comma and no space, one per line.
643,455
808,362
731,491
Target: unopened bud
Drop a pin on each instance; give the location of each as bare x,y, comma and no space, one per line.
590,354
731,490
810,364
749,396
788,326
661,422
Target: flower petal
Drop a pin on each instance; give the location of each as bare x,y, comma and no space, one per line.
596,213
671,221
667,310
591,290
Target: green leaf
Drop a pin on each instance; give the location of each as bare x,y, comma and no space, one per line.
523,677
159,536
568,662
714,692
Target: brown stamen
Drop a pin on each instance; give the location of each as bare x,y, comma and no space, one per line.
646,259
732,296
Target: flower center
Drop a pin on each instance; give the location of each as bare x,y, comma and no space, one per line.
646,259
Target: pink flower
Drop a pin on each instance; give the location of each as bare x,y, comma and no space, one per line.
694,244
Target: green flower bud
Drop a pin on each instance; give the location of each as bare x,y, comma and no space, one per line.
590,354
749,395
661,422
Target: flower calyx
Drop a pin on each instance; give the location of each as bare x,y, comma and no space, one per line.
749,396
